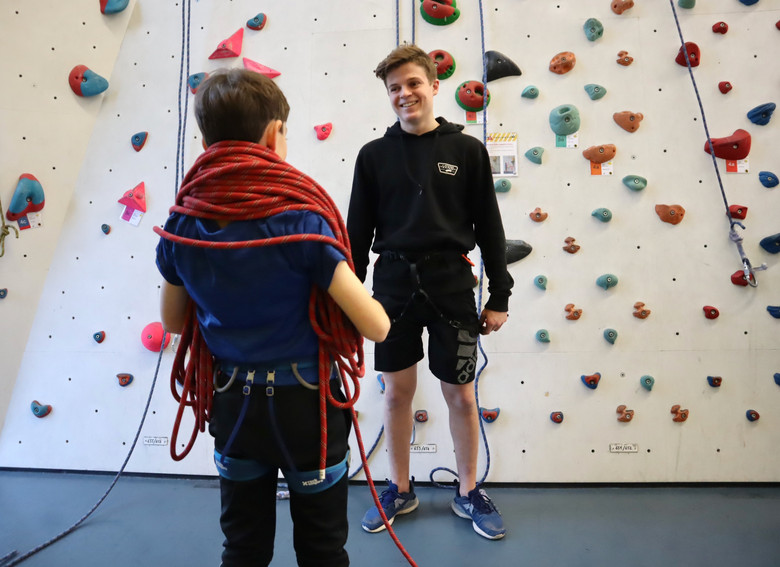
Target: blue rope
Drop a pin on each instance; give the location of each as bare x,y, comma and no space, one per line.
370,452
414,12
397,23
733,235
184,71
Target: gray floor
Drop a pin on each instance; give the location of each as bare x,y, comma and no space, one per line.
149,521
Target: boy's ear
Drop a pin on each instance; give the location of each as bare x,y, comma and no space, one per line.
270,138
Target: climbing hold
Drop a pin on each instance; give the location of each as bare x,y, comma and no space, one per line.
711,312
153,335
113,6
624,415
194,81
543,336
680,415
628,120
640,312
489,415
3,292
647,382
607,281
502,185
604,215
471,96
714,381
105,228
565,119
124,379
135,198
516,250
535,154
694,54
570,247
749,2
445,63
687,4
762,114
85,82
421,416
620,6
138,140
777,378
540,282
771,243
323,130
231,47
736,146
738,278
610,335
563,62
40,410
530,92
774,310
28,197
738,211
556,417
537,215
573,313
260,68
600,154
595,91
499,66
724,86
439,12
673,214
258,22
768,179
99,337
594,29
752,415
720,27
381,379
624,58
591,381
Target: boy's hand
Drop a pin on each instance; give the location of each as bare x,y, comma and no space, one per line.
490,321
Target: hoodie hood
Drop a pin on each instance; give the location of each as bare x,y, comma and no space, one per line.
444,128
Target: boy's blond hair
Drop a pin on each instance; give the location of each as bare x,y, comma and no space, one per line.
406,53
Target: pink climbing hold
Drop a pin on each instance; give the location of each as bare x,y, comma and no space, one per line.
736,146
323,130
694,54
152,337
259,68
231,47
135,198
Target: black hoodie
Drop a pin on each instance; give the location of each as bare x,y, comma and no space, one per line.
416,195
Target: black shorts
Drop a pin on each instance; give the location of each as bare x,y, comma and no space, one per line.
453,327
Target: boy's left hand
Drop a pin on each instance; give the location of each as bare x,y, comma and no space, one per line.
490,321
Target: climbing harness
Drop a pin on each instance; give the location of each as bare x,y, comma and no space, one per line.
4,230
747,268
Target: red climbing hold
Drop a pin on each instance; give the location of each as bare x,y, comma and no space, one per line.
135,198
736,146
711,312
445,64
152,337
124,379
720,27
259,68
231,47
694,54
738,278
99,336
738,211
724,86
323,130
421,416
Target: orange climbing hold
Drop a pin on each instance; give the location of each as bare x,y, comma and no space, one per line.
600,154
620,6
680,415
624,415
563,62
640,312
624,58
573,313
673,214
537,215
628,120
570,247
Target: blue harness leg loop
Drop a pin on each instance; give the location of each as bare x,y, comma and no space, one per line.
239,470
309,482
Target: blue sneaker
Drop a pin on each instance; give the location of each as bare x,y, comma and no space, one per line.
393,503
477,507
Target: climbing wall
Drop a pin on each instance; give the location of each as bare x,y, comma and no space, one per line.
85,281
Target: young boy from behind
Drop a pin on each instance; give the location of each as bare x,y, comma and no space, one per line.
252,306
422,197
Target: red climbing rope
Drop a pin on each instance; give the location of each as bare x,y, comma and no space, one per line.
234,181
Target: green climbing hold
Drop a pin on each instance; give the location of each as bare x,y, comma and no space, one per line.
595,91
502,185
530,92
604,215
686,3
607,281
635,182
540,282
535,154
543,336
594,29
647,382
610,335
565,119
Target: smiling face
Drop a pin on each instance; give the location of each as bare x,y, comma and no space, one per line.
411,97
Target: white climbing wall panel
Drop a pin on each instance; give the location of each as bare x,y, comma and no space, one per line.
67,280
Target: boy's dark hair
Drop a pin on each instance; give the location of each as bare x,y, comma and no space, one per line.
406,53
238,104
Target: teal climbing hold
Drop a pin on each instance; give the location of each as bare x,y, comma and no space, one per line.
543,336
257,23
535,154
530,92
610,335
607,281
565,119
595,91
604,215
39,409
502,185
635,182
194,81
687,4
540,282
113,6
647,382
768,179
594,29
28,197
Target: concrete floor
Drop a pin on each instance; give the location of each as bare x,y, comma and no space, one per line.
154,521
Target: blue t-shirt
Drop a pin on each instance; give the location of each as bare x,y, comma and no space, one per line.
252,303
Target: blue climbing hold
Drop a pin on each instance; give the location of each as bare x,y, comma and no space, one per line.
777,378
502,185
489,415
771,243
194,81
714,381
257,23
138,140
113,6
381,380
39,409
768,179
752,415
565,119
607,281
85,82
610,335
647,382
535,154
591,381
761,114
3,293
540,282
595,91
774,310
105,228
543,336
604,215
594,29
28,197
530,92
749,2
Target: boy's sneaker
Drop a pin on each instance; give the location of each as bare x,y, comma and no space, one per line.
484,516
393,503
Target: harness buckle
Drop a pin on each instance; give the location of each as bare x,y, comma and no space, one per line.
269,381
250,380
